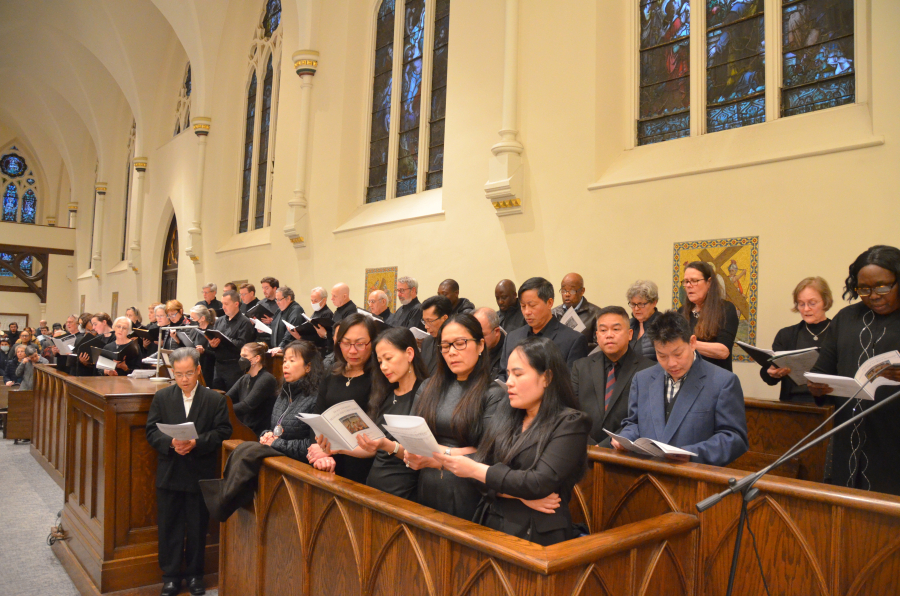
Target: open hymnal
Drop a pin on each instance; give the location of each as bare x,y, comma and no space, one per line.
571,320
413,433
368,314
259,311
65,345
152,358
142,373
799,361
216,334
419,334
868,372
181,432
646,446
261,327
341,423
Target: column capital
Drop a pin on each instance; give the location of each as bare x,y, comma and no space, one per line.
100,188
72,206
306,62
201,125
140,164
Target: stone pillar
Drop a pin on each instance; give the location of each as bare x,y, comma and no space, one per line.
97,248
201,129
137,213
73,214
297,225
505,186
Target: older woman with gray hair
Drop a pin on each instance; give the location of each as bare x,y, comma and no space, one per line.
642,298
205,319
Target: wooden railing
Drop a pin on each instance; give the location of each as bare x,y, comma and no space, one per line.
48,441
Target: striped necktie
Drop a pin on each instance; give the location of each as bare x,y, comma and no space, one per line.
610,383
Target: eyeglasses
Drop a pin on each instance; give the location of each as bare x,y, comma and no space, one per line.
637,305
430,321
880,290
691,282
187,375
360,345
569,292
458,344
403,290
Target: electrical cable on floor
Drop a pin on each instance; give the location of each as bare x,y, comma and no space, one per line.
56,532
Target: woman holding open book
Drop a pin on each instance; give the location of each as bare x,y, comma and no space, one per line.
457,403
350,379
812,299
121,329
535,446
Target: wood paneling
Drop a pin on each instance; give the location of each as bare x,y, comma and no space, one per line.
48,442
20,414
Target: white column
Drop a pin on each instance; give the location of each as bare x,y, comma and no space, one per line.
505,187
73,214
201,129
296,228
97,248
137,213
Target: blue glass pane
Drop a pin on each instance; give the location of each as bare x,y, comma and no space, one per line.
738,114
723,12
25,265
5,256
29,207
243,223
12,165
262,164
810,22
10,203
827,94
273,17
30,180
187,82
381,103
664,129
819,62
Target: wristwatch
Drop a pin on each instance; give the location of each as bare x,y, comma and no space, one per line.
447,451
396,448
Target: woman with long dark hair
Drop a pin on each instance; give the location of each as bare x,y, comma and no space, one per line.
350,378
457,403
866,455
398,375
713,319
536,445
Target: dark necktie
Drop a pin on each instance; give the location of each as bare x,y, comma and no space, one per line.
610,383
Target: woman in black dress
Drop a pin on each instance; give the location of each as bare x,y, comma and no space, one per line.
204,318
713,319
867,454
535,446
253,394
457,403
350,379
395,380
812,299
303,371
121,329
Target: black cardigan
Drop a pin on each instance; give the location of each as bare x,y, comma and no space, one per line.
253,400
785,339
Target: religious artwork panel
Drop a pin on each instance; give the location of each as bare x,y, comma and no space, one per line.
736,263
114,307
18,318
384,279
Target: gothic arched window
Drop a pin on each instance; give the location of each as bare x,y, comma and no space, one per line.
409,91
19,187
183,107
259,124
129,176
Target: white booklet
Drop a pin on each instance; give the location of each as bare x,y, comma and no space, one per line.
571,320
870,369
142,373
368,314
646,446
799,361
341,423
181,432
151,360
261,327
104,363
288,325
64,348
413,433
418,333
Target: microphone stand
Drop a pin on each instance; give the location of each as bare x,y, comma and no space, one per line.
160,347
749,492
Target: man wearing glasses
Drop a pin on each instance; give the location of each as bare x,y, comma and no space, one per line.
378,304
435,311
571,290
182,516
410,312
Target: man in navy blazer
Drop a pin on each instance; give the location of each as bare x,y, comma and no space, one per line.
685,401
536,298
183,518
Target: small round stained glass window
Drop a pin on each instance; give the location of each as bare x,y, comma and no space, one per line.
12,165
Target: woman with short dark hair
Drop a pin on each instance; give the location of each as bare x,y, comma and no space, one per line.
253,394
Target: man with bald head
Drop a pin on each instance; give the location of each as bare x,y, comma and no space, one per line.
449,289
343,306
378,304
571,290
493,337
509,310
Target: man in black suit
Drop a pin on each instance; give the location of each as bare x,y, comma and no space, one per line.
602,381
508,308
571,290
493,336
209,297
410,312
449,289
536,299
248,297
435,311
237,328
289,311
183,519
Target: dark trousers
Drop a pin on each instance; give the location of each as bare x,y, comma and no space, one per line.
183,523
208,367
227,374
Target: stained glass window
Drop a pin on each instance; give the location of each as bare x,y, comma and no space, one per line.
248,156
273,17
13,165
29,207
665,96
411,97
263,144
187,81
10,203
435,176
818,68
25,265
5,272
30,181
381,103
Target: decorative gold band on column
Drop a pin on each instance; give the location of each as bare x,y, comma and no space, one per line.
297,240
140,164
306,62
72,206
507,204
100,188
201,125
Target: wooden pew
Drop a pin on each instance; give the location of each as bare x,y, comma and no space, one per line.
48,440
19,415
309,532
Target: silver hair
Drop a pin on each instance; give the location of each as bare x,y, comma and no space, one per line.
210,286
490,314
643,288
320,292
30,350
159,307
127,321
204,312
185,353
409,281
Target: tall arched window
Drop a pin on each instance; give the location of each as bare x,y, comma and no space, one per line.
19,187
259,121
183,107
129,174
409,91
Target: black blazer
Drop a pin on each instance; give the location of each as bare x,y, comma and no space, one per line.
209,413
572,344
532,475
293,314
589,384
